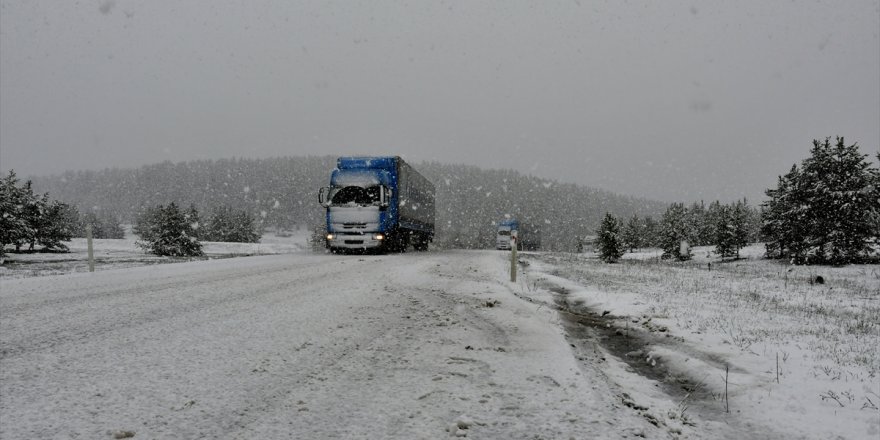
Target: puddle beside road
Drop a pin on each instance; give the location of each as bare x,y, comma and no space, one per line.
631,345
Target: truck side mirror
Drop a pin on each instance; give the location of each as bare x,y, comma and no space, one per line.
384,195
322,197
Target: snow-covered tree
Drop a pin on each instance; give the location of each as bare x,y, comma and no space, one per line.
826,211
650,232
725,232
609,242
53,226
12,224
30,219
230,225
674,229
166,230
633,233
103,226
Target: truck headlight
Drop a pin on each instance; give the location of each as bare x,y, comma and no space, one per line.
378,237
330,236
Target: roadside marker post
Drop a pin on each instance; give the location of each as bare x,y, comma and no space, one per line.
512,256
91,252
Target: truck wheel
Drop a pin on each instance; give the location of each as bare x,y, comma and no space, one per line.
420,243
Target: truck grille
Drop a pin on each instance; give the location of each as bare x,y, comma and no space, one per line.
354,225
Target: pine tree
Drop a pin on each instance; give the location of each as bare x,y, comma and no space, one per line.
675,229
739,220
826,212
147,223
650,232
229,225
633,233
171,234
784,216
609,241
698,220
836,182
13,227
713,218
725,232
54,226
194,222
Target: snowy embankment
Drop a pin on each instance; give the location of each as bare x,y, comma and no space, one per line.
785,355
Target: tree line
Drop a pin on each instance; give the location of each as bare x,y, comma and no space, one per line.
827,211
728,227
29,220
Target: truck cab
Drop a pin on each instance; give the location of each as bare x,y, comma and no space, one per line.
506,228
377,203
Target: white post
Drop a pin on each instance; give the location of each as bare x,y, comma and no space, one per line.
91,252
512,256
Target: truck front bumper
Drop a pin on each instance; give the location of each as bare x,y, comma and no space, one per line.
355,241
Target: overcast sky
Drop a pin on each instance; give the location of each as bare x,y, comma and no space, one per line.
671,100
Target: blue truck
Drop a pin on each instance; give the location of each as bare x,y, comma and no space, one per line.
528,236
377,203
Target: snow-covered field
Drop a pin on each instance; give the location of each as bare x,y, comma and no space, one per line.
115,254
793,357
439,345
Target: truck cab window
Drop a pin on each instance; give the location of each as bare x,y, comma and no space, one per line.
356,195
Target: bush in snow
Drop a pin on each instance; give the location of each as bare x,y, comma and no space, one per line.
166,230
229,225
827,210
609,241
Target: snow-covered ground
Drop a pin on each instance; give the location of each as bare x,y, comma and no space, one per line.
439,345
786,356
119,253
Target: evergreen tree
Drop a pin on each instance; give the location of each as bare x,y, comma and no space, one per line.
739,221
650,232
229,225
103,226
13,227
30,219
713,219
826,212
725,232
784,215
633,233
172,234
675,229
698,223
147,223
876,197
194,221
54,226
32,207
609,242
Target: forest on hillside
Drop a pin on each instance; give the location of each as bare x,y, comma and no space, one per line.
281,194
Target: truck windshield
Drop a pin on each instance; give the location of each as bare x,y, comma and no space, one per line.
356,195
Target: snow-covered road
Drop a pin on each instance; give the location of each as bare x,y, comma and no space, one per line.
303,346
